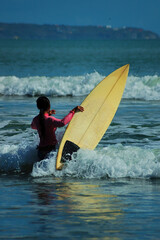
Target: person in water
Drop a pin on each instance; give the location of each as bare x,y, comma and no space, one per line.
46,125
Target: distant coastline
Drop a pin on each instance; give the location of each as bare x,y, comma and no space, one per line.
62,32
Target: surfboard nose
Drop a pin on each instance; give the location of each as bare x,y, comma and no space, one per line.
127,66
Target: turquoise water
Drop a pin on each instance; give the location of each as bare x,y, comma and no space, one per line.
109,193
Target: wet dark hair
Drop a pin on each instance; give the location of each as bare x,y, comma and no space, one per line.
43,104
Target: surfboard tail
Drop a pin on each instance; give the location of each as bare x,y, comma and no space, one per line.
68,149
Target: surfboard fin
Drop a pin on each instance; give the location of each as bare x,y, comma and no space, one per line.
68,150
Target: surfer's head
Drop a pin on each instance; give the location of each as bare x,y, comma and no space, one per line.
43,103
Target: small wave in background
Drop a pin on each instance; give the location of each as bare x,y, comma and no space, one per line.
144,88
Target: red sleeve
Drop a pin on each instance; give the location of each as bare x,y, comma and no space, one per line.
64,121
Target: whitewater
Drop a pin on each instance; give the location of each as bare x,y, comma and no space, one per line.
146,87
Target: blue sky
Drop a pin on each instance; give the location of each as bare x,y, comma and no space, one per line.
117,13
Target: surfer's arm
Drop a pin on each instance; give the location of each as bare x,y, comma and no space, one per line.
67,119
62,122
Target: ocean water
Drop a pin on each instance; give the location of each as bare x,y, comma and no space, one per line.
111,192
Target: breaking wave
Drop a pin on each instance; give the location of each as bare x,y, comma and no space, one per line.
116,161
145,88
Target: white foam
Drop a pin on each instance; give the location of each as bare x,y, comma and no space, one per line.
114,162
52,86
147,87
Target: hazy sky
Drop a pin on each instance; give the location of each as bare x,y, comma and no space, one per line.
117,13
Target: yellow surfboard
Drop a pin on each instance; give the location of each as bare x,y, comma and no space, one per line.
87,128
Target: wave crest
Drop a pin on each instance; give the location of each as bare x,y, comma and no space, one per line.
145,88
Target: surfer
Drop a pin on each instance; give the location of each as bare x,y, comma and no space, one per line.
46,125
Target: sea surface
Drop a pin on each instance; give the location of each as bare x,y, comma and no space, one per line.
112,192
